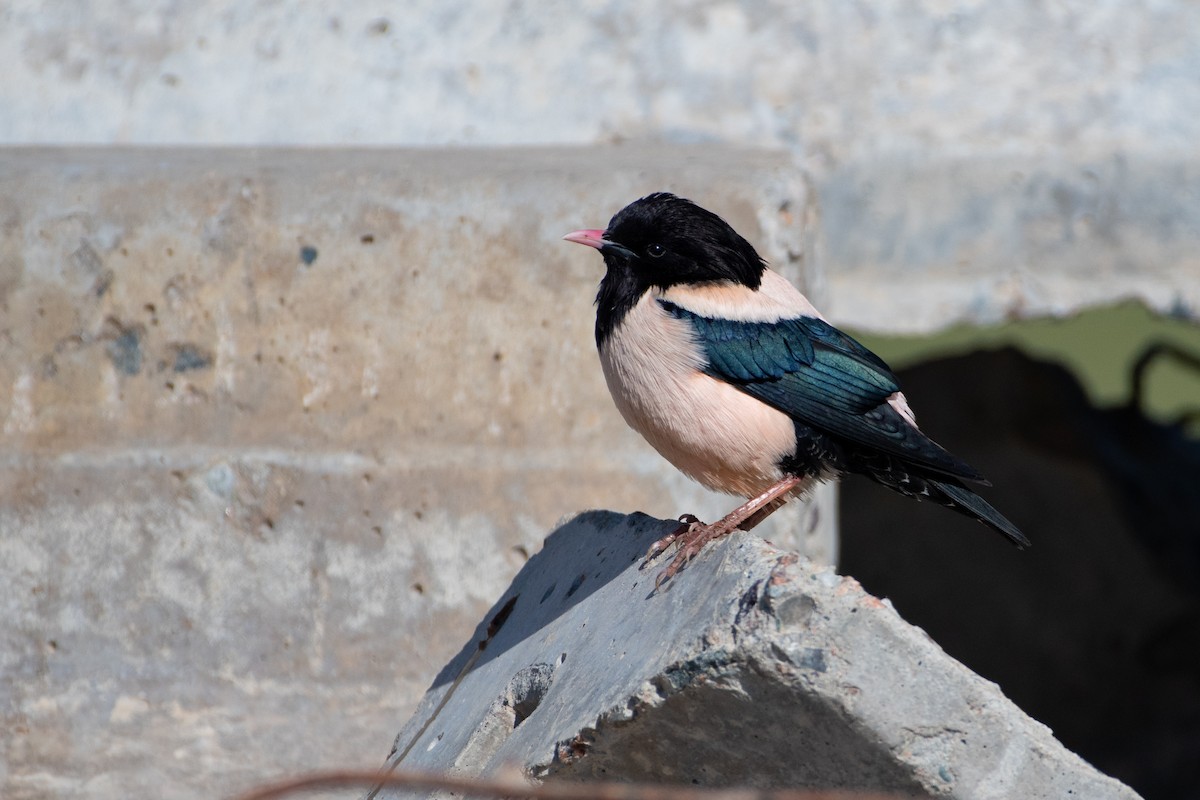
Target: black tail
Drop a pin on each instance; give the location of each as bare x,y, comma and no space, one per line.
967,502
936,476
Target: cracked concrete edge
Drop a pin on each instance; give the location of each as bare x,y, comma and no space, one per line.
733,674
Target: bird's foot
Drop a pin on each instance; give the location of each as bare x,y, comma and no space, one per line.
686,523
691,535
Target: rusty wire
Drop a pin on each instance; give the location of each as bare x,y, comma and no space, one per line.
502,787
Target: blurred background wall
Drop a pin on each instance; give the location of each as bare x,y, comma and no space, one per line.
216,359
843,81
1031,133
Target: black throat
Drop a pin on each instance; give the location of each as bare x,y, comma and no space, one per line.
619,292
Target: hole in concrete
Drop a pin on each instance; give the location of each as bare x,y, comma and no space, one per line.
576,584
527,689
519,700
1090,435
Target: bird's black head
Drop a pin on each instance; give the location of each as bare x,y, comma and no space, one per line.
663,240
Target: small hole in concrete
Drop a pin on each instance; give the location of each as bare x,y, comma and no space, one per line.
528,689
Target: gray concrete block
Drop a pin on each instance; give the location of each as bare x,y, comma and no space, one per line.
976,161
751,667
913,244
841,81
272,418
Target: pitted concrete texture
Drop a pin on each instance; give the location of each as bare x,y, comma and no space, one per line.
976,161
751,667
278,426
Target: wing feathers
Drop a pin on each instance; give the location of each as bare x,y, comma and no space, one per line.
818,375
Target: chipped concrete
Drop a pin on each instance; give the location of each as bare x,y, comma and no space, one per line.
752,667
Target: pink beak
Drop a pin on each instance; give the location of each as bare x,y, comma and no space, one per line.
592,238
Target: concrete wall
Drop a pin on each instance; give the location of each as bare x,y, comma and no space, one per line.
278,426
844,81
992,159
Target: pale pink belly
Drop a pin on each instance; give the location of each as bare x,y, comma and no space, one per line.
709,430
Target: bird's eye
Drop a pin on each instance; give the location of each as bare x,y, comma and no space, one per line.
656,250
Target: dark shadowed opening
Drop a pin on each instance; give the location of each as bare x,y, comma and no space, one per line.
1095,630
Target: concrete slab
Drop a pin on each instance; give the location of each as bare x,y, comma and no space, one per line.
272,417
914,244
752,667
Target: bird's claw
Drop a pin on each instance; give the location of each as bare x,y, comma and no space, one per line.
692,535
686,523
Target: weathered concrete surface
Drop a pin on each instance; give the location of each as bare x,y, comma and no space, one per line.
751,667
272,418
975,160
915,243
843,80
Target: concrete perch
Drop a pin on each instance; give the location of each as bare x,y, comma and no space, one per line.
752,667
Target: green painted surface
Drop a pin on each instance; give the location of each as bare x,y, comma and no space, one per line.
1100,346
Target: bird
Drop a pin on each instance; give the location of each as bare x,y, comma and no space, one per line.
735,378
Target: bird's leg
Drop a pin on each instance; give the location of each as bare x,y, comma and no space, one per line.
758,516
692,534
